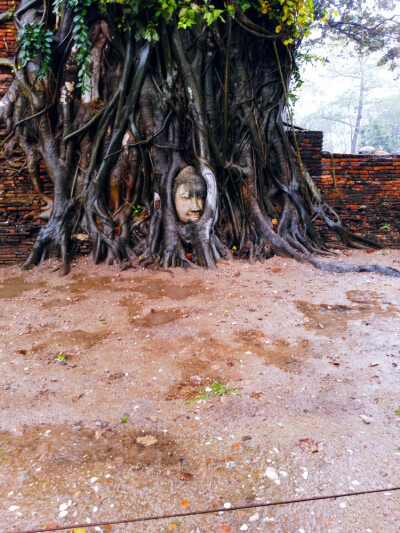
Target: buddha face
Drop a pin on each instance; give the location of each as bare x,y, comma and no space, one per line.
189,193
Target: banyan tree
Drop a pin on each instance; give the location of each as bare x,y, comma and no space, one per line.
164,127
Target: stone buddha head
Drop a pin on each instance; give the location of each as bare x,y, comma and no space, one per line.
189,193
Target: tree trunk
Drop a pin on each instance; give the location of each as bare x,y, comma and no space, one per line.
177,154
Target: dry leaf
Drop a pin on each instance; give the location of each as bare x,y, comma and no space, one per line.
171,527
309,445
186,504
147,441
185,476
276,270
77,397
224,529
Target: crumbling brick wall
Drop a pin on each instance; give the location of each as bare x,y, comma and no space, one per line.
365,192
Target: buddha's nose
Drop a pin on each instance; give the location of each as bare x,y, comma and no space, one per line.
195,204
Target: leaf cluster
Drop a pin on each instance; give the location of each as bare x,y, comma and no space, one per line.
36,43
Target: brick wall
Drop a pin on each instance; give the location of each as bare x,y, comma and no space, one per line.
365,192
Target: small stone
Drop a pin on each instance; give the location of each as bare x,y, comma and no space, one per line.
62,514
244,527
227,505
271,473
13,507
254,517
63,506
366,419
374,364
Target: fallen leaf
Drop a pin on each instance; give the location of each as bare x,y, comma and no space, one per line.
147,441
309,445
370,251
276,270
236,445
186,504
77,397
256,395
189,256
224,529
22,352
171,527
185,476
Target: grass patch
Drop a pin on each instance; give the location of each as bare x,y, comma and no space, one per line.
213,391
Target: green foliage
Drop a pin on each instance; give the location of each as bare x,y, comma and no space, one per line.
124,420
137,209
380,133
36,43
214,390
80,32
290,18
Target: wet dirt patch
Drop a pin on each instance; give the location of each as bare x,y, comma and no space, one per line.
70,339
280,353
159,288
14,287
81,284
329,319
42,450
197,372
153,318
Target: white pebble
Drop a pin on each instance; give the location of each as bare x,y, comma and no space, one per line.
13,507
95,509
244,527
227,505
63,506
93,479
271,473
62,514
254,517
355,482
342,505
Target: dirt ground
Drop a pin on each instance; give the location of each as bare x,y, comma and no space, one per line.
102,417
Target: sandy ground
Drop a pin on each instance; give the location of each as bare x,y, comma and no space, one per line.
93,362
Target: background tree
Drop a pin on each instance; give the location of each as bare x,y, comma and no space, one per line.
347,95
120,97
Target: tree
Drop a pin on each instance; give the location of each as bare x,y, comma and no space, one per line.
136,106
346,96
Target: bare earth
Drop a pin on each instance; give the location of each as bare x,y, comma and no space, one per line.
92,363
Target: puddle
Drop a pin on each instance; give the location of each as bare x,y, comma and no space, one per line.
159,288
58,302
13,287
82,284
330,319
156,318
59,447
280,353
69,339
